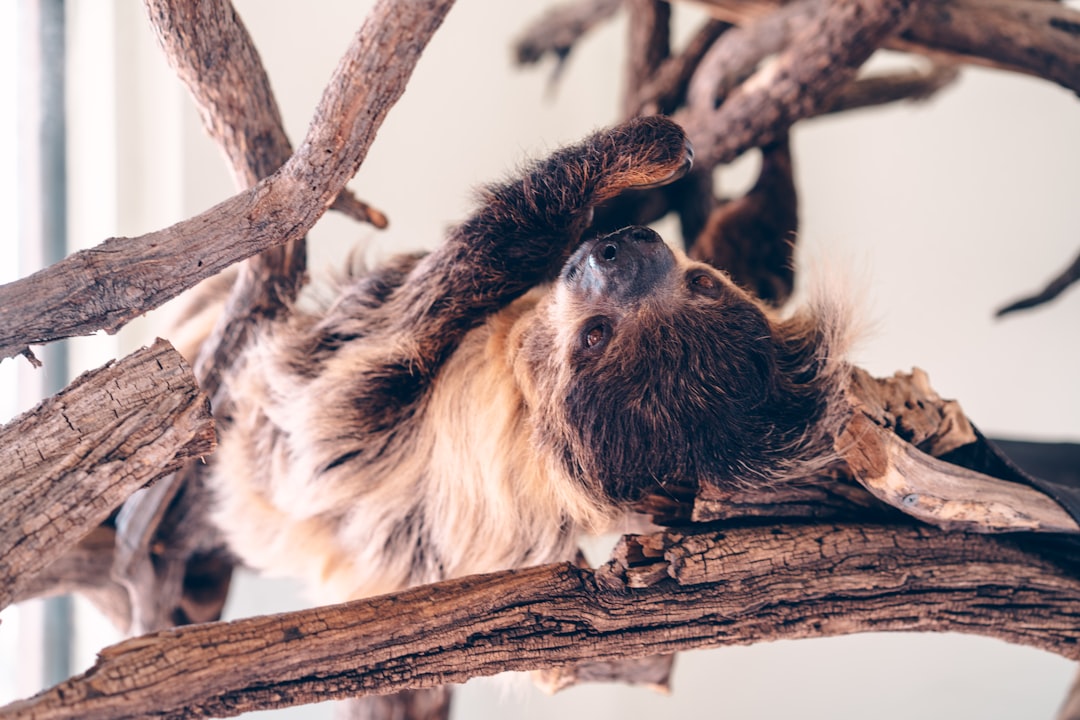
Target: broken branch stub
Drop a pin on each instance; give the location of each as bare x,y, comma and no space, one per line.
896,427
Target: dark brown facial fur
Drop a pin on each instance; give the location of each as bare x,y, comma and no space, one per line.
676,374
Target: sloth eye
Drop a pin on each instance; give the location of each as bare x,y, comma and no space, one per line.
704,283
595,335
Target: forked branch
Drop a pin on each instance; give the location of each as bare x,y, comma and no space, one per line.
94,289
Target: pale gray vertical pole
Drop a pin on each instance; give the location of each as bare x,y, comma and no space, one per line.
43,234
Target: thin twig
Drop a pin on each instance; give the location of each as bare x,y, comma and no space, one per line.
1055,287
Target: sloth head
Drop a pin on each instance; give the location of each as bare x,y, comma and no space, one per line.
647,367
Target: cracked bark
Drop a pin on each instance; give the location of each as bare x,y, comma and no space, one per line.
661,593
66,465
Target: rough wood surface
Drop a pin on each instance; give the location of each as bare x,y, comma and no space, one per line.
894,421
211,51
1034,37
69,462
106,286
801,82
666,592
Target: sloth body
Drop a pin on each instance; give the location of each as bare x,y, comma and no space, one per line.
480,407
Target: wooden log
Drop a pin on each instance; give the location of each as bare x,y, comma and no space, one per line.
661,593
69,462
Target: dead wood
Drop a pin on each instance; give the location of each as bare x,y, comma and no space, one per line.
1034,37
68,463
736,56
86,569
106,286
662,592
891,420
665,90
799,84
893,87
558,31
648,46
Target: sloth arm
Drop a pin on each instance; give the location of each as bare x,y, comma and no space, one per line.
406,321
525,229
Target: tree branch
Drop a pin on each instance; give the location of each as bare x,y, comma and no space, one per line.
1034,37
558,30
69,462
822,59
893,421
93,289
893,87
1055,287
662,593
648,46
86,569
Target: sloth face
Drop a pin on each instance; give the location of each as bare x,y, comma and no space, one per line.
661,369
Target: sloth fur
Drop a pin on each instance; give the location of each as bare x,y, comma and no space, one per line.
480,407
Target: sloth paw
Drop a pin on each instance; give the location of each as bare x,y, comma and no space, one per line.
647,152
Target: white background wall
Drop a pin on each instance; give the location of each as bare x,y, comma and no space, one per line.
941,212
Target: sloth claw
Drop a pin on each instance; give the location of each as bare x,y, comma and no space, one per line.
681,171
649,152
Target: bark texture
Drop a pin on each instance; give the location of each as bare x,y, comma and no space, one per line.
66,465
664,592
92,289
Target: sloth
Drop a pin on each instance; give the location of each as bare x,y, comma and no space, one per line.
482,406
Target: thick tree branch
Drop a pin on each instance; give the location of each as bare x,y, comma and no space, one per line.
1034,37
736,55
662,593
822,58
69,462
648,46
93,289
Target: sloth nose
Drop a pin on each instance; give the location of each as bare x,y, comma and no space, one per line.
608,247
627,264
